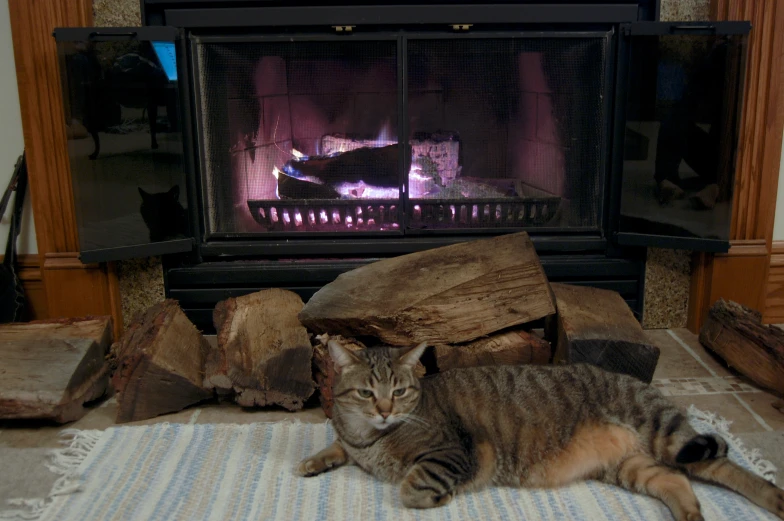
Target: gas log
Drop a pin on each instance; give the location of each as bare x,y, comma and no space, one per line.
263,353
597,327
51,368
447,295
737,334
158,364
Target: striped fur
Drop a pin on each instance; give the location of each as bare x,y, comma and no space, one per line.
521,426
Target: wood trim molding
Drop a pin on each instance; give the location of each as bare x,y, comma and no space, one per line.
742,273
71,288
774,288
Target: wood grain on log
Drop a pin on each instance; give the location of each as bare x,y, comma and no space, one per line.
446,295
596,326
159,363
737,335
508,348
51,368
263,353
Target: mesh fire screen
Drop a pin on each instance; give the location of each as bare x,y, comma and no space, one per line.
506,132
299,136
303,135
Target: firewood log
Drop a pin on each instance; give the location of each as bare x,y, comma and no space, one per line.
736,334
159,362
51,368
446,295
597,327
508,348
263,352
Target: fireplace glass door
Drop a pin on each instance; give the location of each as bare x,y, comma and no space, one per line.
298,136
682,115
122,114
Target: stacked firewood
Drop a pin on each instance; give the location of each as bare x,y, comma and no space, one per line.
475,303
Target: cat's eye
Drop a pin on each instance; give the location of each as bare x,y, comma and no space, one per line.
364,393
399,392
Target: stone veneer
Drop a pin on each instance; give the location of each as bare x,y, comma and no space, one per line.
667,271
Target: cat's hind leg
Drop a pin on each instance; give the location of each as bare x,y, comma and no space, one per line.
724,472
642,474
330,458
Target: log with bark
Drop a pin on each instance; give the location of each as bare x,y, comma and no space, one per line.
51,368
324,369
446,295
508,348
597,327
736,334
158,364
263,352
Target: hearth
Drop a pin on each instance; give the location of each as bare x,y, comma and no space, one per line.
256,144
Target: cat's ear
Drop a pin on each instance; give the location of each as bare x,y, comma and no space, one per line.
411,356
341,356
174,192
144,194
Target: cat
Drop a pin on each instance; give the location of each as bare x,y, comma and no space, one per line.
163,214
521,426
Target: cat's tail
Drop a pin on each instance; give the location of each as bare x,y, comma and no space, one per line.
676,443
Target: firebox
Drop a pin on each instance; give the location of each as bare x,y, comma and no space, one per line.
260,144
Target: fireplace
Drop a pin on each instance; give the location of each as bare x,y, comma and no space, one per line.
255,144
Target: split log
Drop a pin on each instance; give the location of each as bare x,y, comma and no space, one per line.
263,352
509,348
446,295
159,362
597,327
51,368
736,334
324,369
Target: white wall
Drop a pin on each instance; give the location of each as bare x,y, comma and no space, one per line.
778,224
11,142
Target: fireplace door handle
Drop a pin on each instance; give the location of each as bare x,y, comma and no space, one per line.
688,28
98,34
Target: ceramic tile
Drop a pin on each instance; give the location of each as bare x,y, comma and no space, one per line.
762,404
716,364
674,361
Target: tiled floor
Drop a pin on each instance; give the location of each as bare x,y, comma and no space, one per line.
687,373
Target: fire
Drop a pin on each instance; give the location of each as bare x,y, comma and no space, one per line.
386,135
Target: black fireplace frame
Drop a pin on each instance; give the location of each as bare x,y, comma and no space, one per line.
207,268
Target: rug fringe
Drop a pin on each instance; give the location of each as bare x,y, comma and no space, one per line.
63,462
763,467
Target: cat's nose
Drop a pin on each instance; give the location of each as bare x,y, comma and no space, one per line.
385,414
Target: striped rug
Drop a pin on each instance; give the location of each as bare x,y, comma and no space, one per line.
244,472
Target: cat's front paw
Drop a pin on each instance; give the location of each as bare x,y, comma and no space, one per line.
311,467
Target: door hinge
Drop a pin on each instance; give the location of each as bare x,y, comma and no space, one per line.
343,28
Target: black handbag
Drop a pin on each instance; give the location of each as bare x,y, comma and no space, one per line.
12,298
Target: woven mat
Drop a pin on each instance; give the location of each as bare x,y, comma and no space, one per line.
244,472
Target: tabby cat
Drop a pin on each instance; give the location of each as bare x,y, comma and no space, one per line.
521,426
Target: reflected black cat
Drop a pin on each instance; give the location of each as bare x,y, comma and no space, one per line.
163,214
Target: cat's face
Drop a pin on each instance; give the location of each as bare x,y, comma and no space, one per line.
376,387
